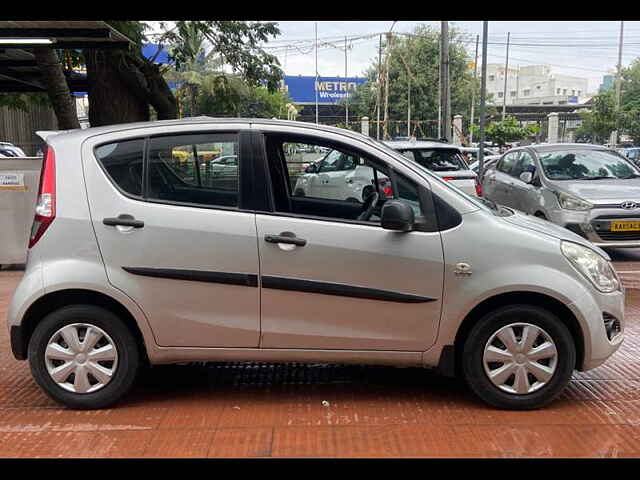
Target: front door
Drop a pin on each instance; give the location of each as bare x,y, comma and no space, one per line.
344,283
189,256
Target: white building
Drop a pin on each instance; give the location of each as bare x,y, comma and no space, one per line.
534,85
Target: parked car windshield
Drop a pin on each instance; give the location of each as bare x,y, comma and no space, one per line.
586,165
436,159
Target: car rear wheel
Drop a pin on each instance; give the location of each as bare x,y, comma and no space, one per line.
518,357
84,357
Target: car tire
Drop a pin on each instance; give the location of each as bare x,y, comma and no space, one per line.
299,193
111,330
366,191
478,353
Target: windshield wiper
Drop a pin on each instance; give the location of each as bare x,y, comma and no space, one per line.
490,203
633,175
594,178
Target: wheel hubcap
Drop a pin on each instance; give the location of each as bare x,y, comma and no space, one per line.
520,358
81,358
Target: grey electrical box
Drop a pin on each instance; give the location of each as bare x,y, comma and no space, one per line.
19,178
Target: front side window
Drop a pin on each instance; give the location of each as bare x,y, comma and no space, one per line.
196,169
123,163
585,165
507,163
340,187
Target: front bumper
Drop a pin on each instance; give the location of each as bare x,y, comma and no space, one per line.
595,225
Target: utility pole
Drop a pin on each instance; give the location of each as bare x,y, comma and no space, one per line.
379,86
408,105
444,76
483,96
346,84
386,84
473,92
506,76
316,89
614,134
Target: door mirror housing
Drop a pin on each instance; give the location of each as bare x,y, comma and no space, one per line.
526,177
397,215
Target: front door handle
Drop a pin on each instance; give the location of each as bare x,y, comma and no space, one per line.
285,237
123,220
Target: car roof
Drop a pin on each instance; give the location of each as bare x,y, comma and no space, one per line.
550,147
80,134
404,144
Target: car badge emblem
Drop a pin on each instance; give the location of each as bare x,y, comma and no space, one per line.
629,205
462,269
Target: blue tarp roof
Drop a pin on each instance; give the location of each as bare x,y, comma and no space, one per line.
150,49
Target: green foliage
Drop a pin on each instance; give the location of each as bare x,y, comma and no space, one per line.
23,101
415,58
506,131
600,120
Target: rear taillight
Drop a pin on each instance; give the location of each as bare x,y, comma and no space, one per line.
479,189
448,178
46,206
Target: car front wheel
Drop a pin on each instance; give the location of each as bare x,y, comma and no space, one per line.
519,357
84,356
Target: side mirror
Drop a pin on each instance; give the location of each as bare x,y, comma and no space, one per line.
313,168
397,215
526,177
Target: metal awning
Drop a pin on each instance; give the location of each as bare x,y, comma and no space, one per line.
18,69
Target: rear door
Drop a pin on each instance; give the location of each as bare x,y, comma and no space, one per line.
191,260
499,181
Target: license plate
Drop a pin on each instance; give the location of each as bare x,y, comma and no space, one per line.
625,226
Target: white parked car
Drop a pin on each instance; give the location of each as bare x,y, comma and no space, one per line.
443,159
340,176
224,166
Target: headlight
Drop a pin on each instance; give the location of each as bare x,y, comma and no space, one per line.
592,265
569,202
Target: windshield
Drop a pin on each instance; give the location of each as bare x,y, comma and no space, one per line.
436,159
586,165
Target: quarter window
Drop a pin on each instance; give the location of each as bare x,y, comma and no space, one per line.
123,163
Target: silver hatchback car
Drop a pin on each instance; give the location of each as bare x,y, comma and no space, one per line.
138,255
589,189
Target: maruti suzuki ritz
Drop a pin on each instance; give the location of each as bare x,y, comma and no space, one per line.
139,255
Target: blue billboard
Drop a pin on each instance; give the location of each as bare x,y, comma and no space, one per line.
331,90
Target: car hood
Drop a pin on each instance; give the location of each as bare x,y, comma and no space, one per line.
601,191
543,226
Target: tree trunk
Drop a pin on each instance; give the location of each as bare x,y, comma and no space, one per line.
111,100
122,85
57,88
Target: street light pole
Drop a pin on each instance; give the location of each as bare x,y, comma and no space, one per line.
473,92
444,80
614,135
506,76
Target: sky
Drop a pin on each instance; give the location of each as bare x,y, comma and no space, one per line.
587,49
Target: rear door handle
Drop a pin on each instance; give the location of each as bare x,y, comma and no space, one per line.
123,220
285,237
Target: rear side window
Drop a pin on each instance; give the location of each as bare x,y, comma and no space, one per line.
507,162
436,159
123,163
198,169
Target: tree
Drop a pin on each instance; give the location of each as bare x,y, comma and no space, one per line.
122,83
600,120
416,58
506,131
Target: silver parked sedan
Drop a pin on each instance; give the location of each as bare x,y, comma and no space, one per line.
589,189
135,258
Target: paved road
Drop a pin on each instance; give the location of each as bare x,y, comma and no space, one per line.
257,410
